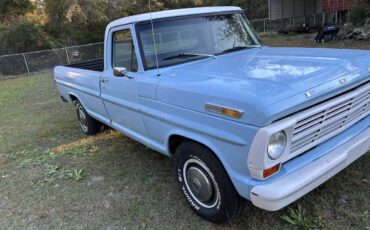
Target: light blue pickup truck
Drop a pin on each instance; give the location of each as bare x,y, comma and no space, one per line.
242,121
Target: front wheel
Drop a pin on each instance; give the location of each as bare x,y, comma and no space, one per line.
89,125
205,183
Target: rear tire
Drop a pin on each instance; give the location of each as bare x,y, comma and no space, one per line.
89,125
205,183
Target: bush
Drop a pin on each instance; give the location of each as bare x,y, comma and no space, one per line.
360,12
24,36
74,33
358,16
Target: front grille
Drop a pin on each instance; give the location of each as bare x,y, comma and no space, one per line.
324,123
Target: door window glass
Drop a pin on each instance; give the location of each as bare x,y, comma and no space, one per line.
124,54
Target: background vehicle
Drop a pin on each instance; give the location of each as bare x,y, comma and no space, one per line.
242,121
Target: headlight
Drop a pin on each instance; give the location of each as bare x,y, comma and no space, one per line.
276,145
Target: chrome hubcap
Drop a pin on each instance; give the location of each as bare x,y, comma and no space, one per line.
82,118
200,183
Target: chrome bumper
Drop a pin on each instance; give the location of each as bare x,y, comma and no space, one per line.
281,193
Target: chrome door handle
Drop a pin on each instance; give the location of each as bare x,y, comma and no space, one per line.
104,80
128,76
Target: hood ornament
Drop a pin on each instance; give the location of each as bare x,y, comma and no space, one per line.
368,70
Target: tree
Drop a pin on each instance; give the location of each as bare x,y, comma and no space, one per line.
174,4
24,36
360,12
73,22
253,8
56,12
13,10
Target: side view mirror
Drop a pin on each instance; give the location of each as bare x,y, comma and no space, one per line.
120,72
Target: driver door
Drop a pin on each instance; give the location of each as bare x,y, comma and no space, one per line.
120,83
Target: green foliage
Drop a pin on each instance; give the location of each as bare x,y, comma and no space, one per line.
174,4
358,16
24,36
11,10
73,22
253,8
53,173
56,12
75,174
50,170
360,12
300,220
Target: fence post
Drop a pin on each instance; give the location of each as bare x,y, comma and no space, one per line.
25,61
270,27
264,26
67,56
282,23
323,19
349,16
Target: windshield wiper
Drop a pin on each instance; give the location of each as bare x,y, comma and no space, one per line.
188,55
238,48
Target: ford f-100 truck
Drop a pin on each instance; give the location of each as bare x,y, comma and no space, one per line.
242,121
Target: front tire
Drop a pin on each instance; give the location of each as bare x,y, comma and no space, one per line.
89,125
205,183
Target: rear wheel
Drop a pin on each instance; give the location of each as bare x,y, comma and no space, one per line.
89,125
205,183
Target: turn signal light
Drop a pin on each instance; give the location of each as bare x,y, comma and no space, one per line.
224,111
231,113
271,171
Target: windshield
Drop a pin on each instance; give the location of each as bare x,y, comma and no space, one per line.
187,39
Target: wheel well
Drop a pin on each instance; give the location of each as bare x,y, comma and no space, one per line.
73,98
176,140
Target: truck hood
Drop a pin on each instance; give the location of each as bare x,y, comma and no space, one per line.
257,79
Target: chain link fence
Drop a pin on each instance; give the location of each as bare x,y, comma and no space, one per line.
29,63
267,27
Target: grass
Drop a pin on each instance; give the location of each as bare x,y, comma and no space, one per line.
53,177
308,40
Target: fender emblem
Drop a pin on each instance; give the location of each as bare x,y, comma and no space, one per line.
368,70
343,81
309,94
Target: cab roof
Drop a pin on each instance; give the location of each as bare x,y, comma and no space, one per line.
174,13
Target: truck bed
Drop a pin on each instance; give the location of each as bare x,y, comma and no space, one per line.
94,65
81,81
